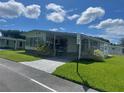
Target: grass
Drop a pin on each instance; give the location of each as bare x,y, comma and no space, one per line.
17,56
104,76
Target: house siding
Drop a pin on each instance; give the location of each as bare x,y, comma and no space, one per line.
116,50
71,45
34,39
12,43
87,43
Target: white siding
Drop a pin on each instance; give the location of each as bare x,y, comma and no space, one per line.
71,45
116,50
38,35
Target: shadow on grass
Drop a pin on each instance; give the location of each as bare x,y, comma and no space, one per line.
26,53
83,82
87,61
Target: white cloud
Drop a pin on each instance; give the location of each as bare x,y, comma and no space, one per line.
90,15
55,7
55,17
114,28
53,29
13,9
58,13
110,37
3,20
57,29
109,23
72,10
61,28
74,16
32,11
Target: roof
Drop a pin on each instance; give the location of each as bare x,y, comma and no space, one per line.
9,38
113,45
74,34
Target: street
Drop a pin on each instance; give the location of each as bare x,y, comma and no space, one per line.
13,82
16,77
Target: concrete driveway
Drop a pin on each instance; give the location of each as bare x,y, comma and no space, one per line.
47,65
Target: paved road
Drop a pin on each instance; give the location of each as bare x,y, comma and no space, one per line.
17,77
13,82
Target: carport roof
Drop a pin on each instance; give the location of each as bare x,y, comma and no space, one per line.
73,34
9,38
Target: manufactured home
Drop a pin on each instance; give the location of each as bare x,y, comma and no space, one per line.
11,43
66,44
116,50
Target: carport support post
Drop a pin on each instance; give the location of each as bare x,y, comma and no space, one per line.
89,44
15,44
54,45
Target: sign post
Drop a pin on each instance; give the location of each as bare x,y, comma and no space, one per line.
78,48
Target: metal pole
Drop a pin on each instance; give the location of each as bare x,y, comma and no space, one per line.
78,56
78,49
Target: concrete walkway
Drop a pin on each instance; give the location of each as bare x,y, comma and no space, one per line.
47,65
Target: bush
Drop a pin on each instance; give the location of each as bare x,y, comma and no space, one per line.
98,55
109,56
43,49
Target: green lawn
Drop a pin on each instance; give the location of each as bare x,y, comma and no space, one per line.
104,76
17,56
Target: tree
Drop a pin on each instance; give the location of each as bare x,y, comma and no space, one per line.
103,39
12,33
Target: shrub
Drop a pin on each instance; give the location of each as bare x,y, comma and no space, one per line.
109,56
98,55
43,49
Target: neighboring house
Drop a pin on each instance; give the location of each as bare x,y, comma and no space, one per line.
11,43
65,44
116,50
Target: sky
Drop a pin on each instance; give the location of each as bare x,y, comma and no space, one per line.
102,18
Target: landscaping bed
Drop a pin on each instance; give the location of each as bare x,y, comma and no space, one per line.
17,56
104,76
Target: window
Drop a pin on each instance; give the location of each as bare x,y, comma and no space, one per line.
113,48
34,41
7,42
123,51
20,44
